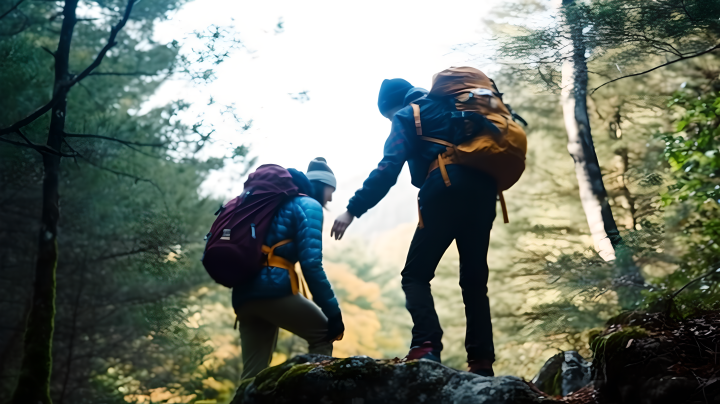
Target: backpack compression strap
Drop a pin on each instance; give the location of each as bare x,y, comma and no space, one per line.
441,162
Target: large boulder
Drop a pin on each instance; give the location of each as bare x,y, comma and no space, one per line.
363,380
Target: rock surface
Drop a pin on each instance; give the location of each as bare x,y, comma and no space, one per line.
563,374
363,380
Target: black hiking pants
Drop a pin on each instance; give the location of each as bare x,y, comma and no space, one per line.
463,212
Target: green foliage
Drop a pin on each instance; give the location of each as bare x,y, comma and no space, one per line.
693,200
129,282
666,217
622,37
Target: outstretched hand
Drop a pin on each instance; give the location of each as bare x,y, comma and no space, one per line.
341,224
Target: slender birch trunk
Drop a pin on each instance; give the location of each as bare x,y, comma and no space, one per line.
593,195
35,371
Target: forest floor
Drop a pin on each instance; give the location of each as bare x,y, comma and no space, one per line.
653,358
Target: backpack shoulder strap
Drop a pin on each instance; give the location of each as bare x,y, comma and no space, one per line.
418,129
416,114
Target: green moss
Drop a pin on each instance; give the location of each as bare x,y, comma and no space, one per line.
267,379
294,376
556,384
346,368
608,345
297,371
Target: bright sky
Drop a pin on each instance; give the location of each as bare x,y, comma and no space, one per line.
339,52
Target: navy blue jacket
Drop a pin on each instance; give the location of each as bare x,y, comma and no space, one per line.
403,145
299,219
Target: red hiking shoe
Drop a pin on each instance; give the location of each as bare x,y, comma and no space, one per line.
424,351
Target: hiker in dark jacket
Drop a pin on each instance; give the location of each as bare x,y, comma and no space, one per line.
269,302
463,212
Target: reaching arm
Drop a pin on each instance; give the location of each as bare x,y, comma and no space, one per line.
381,179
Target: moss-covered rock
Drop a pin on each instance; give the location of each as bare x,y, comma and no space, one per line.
656,358
363,380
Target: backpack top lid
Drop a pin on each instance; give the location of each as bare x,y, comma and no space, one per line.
456,80
271,179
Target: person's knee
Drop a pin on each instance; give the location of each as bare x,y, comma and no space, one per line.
474,281
413,279
321,347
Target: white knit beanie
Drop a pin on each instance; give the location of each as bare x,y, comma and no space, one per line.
318,170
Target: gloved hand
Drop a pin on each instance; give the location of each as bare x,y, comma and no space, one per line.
336,328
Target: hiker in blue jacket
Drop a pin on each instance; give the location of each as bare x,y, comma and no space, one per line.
463,212
269,302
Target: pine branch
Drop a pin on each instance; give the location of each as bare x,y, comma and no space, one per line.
128,144
659,66
122,254
125,142
123,74
120,173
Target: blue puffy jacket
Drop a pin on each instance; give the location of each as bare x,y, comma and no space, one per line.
299,219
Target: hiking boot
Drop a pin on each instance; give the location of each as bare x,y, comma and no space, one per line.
424,351
482,367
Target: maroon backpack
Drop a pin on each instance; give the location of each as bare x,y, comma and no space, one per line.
233,253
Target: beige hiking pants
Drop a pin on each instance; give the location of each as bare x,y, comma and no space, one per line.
260,321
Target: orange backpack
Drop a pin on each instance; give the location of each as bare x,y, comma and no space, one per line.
498,150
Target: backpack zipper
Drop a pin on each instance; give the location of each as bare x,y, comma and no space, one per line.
252,228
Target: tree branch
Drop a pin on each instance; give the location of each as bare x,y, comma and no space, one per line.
705,275
125,142
122,254
48,51
38,148
71,149
659,66
11,9
25,25
120,173
22,135
45,108
687,13
28,119
123,74
110,43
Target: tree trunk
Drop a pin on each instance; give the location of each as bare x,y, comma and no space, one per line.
593,195
34,381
